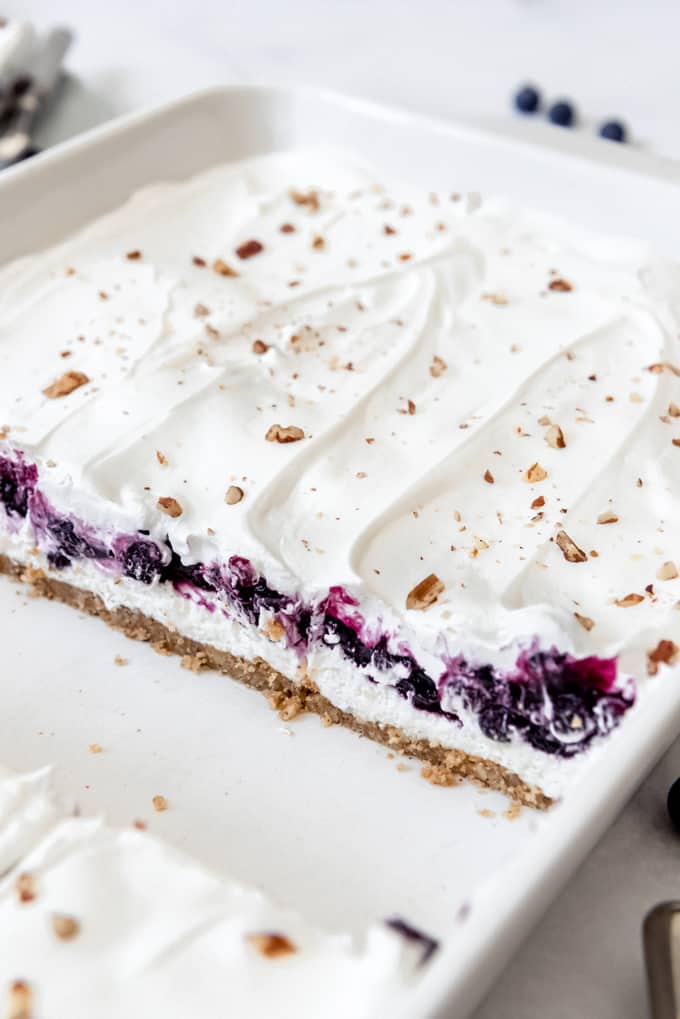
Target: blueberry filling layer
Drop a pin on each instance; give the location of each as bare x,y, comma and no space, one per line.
550,700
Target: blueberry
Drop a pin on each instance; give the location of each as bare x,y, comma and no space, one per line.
142,561
562,113
613,130
527,99
673,804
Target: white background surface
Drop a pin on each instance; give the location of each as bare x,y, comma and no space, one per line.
443,57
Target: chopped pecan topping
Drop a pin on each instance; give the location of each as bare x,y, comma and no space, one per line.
19,1001
608,517
169,506
663,366
534,474
223,268
162,458
249,248
554,436
159,803
318,243
201,310
65,384
234,495
287,228
260,347
488,477
411,406
425,593
585,621
562,286
284,433
438,367
676,442
271,946
665,653
389,230
274,630
65,927
310,199
673,410
24,886
668,571
570,550
96,748
134,256
198,261
493,298
629,600
538,502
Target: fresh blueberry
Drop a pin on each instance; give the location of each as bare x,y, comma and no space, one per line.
562,113
527,99
673,804
142,561
613,130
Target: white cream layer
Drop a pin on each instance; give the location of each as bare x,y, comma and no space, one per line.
159,935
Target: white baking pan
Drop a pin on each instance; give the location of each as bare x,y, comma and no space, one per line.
318,818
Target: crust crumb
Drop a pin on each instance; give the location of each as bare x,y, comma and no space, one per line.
425,593
166,504
608,517
585,621
513,811
271,946
162,458
438,774
95,748
194,663
668,571
287,705
65,384
159,803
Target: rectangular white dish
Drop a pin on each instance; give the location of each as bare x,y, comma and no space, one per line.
312,836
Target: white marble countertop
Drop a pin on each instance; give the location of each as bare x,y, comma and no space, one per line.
445,57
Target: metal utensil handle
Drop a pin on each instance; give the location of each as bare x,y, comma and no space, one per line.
661,942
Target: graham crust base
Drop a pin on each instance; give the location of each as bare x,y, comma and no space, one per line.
442,766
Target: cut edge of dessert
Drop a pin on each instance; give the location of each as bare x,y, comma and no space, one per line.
555,703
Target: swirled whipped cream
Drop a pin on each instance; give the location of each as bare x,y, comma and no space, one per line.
360,387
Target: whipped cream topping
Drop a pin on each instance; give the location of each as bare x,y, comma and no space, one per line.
472,381
114,922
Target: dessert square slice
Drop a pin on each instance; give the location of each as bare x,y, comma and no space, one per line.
407,460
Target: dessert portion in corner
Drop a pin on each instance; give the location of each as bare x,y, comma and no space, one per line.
68,950
404,459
